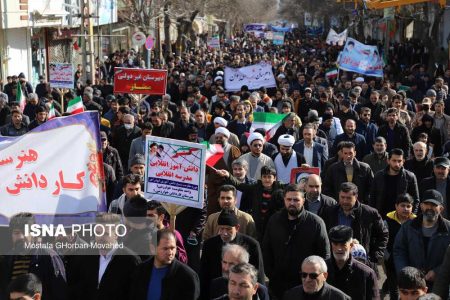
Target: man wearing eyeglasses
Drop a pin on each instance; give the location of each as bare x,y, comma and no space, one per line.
314,275
346,273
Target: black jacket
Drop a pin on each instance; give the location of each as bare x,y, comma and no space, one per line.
211,260
362,177
355,279
422,169
116,280
328,292
264,203
407,183
325,201
122,142
219,288
402,139
286,246
409,246
180,282
368,228
430,183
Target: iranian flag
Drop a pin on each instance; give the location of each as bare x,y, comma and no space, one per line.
332,73
20,97
269,121
214,152
75,106
51,112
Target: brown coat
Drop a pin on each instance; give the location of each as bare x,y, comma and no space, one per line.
214,181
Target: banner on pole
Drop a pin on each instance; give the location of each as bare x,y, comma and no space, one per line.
335,38
140,81
257,29
360,58
61,75
63,175
254,76
175,171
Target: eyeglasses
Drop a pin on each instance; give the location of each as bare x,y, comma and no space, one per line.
313,276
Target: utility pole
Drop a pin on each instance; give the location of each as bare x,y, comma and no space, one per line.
87,41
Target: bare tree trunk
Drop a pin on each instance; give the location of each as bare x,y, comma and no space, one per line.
167,36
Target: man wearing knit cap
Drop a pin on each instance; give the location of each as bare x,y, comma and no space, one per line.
220,122
255,158
346,273
211,266
230,153
287,158
139,233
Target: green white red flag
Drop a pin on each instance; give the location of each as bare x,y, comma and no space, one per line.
268,121
214,152
51,112
75,106
20,97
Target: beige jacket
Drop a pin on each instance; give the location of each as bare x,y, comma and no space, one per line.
246,224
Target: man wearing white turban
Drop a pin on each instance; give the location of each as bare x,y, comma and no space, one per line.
287,158
255,158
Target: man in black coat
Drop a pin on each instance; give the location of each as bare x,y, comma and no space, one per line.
391,182
314,275
398,133
211,266
316,202
366,222
346,273
348,170
420,164
124,135
440,181
292,234
164,276
107,275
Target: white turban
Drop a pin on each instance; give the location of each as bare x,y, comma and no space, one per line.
220,121
255,136
286,140
223,131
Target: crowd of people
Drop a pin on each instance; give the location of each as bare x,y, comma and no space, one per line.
373,221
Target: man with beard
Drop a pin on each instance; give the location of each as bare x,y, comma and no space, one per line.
255,158
292,234
440,182
22,259
366,222
422,242
230,154
287,159
366,128
434,135
350,135
228,233
420,164
391,182
314,153
346,273
395,133
315,200
377,160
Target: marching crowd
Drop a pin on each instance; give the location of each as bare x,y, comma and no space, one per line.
378,208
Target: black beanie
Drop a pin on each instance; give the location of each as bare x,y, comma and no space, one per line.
227,217
135,207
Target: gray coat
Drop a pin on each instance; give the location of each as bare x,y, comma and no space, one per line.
409,248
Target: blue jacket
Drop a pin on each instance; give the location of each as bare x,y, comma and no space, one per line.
357,139
320,156
409,248
369,132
